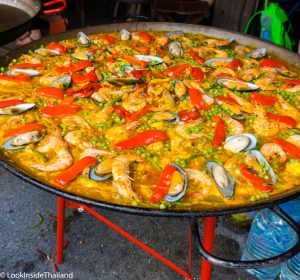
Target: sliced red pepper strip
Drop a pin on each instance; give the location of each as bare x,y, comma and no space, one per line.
57,47
227,99
177,71
220,131
28,66
17,79
85,91
134,61
23,129
84,78
268,62
121,111
142,49
290,148
143,138
196,57
137,115
188,116
61,110
282,119
197,74
161,52
163,185
74,67
68,100
71,173
265,100
106,39
10,102
291,83
50,92
258,182
234,64
144,37
196,99
112,58
138,74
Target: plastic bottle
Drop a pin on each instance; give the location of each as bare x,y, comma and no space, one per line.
270,236
290,270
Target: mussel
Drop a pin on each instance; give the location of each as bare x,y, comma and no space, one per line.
240,142
101,171
236,113
217,62
46,52
125,35
258,53
63,82
22,140
222,178
82,56
285,73
83,39
178,184
16,109
180,88
166,117
150,59
224,42
175,49
123,81
237,85
174,34
16,71
264,164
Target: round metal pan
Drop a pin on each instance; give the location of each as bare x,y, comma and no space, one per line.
31,8
282,53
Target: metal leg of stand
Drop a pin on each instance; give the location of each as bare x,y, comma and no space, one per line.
208,243
61,204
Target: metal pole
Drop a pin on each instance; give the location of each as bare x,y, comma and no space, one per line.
61,204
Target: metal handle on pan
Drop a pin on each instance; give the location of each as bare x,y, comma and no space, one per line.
255,263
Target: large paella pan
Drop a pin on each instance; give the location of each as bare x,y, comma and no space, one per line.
161,119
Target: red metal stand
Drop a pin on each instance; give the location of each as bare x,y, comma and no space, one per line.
209,226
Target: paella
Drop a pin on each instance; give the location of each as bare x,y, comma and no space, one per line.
166,120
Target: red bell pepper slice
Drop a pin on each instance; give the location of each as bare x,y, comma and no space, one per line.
137,115
134,61
290,148
10,102
28,66
71,173
138,74
282,119
264,100
161,52
57,47
197,74
258,182
196,99
61,110
23,129
234,64
196,57
177,71
85,91
144,37
112,58
142,49
268,62
291,83
121,111
50,92
106,39
74,67
17,79
68,100
220,131
227,99
141,139
163,185
188,116
84,78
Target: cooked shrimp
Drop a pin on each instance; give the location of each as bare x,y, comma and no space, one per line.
96,152
31,59
62,158
245,106
208,51
295,88
223,72
121,132
285,108
103,115
180,89
49,78
187,130
262,125
134,101
160,42
199,177
234,126
164,101
250,63
249,74
273,151
265,83
214,42
75,122
241,50
79,138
